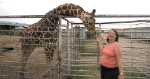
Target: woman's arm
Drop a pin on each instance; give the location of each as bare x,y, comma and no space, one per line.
120,63
100,47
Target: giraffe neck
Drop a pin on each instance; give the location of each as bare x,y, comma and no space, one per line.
65,9
68,10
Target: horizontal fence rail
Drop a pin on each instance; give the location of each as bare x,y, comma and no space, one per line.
97,16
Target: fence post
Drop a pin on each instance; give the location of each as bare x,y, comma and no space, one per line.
59,50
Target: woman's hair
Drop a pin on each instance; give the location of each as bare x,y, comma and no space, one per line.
117,35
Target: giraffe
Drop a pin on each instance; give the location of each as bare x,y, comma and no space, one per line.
44,33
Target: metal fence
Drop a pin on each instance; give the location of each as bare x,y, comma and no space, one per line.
79,54
36,67
135,44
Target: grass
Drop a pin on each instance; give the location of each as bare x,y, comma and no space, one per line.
134,74
88,46
91,71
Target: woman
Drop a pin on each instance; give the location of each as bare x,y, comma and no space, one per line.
110,60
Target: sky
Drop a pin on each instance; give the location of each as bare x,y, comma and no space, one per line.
40,7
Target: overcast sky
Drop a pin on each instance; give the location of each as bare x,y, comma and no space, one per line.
40,7
14,7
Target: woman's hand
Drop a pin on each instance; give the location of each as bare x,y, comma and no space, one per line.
98,38
121,76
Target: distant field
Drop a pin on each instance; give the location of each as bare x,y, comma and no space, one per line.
9,41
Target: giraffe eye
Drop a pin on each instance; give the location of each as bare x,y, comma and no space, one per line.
91,18
86,17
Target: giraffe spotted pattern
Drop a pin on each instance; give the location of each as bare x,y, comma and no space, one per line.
45,33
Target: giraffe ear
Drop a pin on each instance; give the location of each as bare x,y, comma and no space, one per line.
93,12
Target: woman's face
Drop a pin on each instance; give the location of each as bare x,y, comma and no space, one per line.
111,36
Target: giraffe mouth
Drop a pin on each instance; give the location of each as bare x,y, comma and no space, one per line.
91,27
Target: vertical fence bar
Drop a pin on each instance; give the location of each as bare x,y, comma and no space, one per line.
98,74
59,51
148,60
68,48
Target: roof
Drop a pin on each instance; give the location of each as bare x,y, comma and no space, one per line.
13,24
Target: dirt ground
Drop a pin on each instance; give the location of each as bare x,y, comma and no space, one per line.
36,63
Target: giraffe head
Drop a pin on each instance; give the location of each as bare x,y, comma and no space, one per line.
88,20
